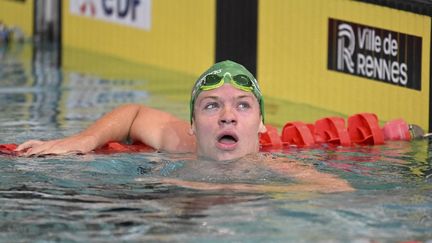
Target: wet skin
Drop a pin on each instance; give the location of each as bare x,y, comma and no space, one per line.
226,123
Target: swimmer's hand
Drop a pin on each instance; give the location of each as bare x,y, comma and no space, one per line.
77,144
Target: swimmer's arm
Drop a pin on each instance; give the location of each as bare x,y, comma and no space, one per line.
162,131
113,126
308,176
250,187
308,180
141,123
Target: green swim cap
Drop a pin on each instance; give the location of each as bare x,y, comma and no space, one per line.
227,72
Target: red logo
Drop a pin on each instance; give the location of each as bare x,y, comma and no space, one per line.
88,7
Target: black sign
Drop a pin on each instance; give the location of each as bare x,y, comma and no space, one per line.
378,54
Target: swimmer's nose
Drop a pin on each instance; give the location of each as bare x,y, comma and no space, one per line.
227,117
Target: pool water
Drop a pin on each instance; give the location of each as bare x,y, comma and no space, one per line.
125,197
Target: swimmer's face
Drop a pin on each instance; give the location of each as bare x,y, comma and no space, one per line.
226,123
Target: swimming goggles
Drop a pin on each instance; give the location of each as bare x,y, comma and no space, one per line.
239,81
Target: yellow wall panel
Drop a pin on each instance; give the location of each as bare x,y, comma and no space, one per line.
292,58
181,36
17,13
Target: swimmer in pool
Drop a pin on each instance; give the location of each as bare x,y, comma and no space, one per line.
226,116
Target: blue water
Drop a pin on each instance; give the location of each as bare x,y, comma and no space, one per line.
125,197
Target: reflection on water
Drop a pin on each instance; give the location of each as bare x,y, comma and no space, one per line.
40,96
92,91
122,197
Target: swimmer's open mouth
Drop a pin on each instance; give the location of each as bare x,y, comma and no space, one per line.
228,139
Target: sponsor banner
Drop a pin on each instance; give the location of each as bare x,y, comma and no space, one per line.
374,53
133,13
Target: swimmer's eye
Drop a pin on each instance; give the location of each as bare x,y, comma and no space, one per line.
210,106
244,105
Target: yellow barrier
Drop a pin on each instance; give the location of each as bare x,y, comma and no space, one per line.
180,37
19,14
293,59
300,50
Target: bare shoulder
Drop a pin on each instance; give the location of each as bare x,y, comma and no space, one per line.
162,131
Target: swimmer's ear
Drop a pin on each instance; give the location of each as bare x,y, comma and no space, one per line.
262,128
